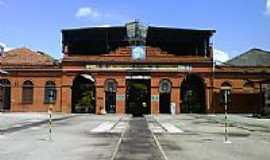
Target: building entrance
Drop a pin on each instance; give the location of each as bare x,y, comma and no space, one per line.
138,96
83,94
5,93
193,94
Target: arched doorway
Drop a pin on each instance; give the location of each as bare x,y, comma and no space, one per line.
138,96
193,94
110,96
165,96
83,94
5,94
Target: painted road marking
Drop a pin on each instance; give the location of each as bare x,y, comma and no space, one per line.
103,127
155,128
171,128
2,136
120,127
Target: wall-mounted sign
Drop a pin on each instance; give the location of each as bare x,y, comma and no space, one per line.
120,97
155,98
141,67
138,52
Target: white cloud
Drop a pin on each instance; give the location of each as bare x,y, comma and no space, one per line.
2,3
267,7
6,48
87,12
220,56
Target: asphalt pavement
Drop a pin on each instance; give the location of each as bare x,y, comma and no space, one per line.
122,137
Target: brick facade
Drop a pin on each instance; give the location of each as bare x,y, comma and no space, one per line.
24,64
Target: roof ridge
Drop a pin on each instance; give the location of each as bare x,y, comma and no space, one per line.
247,52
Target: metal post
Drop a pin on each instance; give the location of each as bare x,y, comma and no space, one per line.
50,121
226,116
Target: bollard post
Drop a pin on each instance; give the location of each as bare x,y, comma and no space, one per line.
50,121
50,110
226,94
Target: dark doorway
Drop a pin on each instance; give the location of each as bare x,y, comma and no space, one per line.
110,95
83,95
164,103
5,94
138,96
165,86
110,102
193,94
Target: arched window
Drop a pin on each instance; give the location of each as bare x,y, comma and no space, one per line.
110,85
226,85
165,86
27,95
50,92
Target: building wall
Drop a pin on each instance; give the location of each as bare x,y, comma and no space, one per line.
38,104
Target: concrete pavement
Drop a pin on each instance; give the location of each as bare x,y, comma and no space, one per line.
184,136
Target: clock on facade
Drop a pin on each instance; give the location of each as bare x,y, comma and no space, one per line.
138,52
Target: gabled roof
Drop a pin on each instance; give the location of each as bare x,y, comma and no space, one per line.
25,56
253,57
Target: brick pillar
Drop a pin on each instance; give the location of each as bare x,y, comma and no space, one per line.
207,99
154,100
121,99
100,99
66,98
66,93
175,98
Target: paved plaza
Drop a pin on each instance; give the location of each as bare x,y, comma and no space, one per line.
119,137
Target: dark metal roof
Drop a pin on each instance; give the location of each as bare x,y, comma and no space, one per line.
253,57
103,39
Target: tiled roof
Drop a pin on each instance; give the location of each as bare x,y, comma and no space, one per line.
25,56
253,57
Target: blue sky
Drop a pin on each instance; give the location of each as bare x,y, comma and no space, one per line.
36,24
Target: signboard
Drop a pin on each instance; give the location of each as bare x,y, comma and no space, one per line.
155,98
141,67
120,97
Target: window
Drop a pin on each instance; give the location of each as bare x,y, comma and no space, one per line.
27,95
50,92
165,86
110,86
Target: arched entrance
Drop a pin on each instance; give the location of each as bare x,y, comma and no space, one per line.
193,94
110,96
5,94
138,96
165,96
83,94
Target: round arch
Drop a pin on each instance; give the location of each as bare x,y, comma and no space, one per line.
83,94
193,94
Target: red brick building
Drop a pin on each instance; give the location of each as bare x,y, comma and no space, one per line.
131,68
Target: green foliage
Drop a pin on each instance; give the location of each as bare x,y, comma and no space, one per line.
87,100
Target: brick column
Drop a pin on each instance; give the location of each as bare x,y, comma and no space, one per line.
100,99
66,93
175,98
121,99
66,98
154,100
154,95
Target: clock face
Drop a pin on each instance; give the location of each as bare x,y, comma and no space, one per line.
138,52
